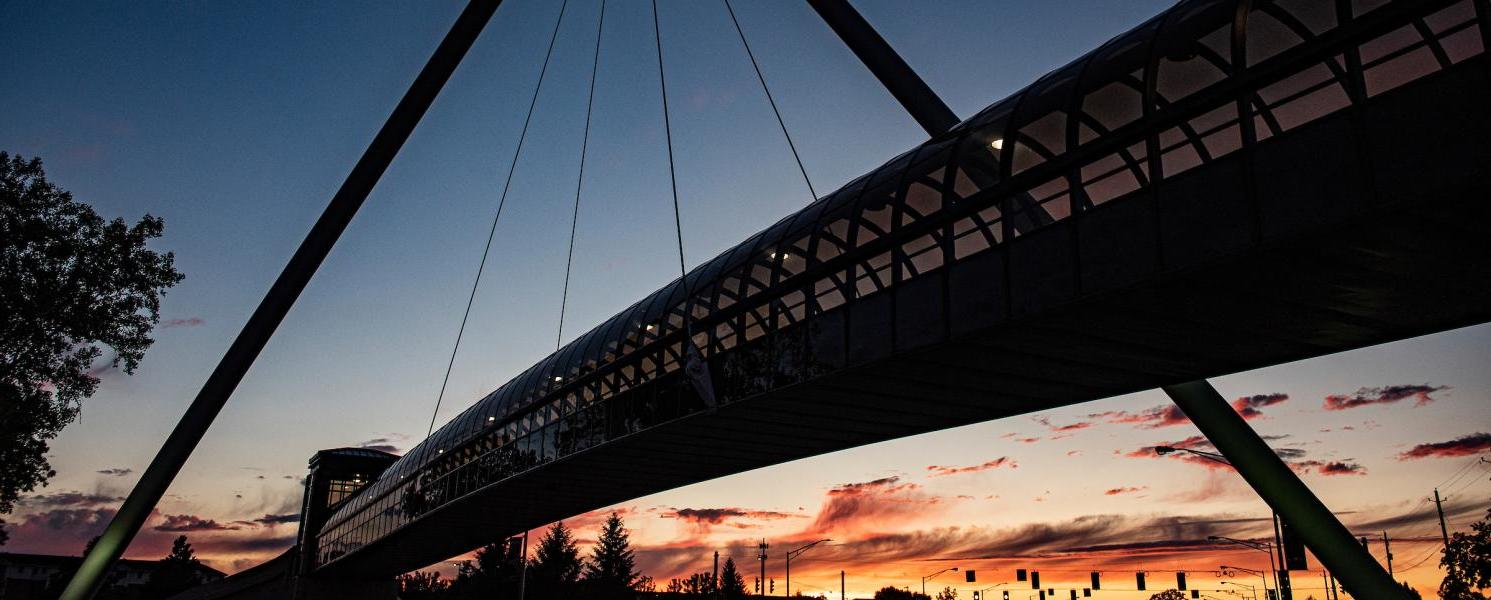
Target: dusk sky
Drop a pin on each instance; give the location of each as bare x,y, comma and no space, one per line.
236,123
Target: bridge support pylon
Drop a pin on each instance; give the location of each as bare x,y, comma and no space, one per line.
1277,484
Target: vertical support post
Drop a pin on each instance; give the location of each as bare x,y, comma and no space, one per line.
1331,542
903,83
277,302
523,575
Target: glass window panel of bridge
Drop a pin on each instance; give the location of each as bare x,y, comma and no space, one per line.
1040,121
1457,31
980,151
1421,48
1112,97
921,196
876,213
977,170
1300,98
876,206
1039,128
832,240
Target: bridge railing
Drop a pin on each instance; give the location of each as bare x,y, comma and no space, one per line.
1202,84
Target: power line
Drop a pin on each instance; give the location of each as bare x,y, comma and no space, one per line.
569,259
491,233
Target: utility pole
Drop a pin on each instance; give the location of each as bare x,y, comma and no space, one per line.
841,585
1387,548
716,575
762,557
1443,530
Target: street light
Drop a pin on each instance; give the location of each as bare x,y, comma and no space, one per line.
1214,457
924,579
1247,570
976,592
791,554
1251,589
1259,546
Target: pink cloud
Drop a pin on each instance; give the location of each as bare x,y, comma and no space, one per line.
1383,395
1003,461
1469,445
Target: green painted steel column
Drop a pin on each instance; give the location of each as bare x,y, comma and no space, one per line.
1277,484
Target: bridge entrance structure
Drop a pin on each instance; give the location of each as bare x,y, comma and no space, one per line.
1228,186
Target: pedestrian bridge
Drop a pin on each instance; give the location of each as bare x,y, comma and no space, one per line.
1227,186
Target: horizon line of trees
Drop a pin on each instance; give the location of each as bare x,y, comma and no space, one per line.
557,572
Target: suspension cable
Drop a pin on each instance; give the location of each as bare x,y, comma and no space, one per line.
769,99
569,260
668,133
502,201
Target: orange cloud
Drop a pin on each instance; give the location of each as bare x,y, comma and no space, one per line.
1003,461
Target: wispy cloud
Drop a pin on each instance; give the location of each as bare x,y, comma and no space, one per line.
866,506
1003,461
1251,407
391,443
1118,491
115,471
1164,415
1331,467
70,499
1384,395
187,523
1469,445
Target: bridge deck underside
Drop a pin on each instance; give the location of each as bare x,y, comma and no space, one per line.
1137,294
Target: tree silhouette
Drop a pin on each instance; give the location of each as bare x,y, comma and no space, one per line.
422,585
947,593
1168,595
176,572
894,593
732,584
492,574
611,572
70,284
1467,562
556,565
700,585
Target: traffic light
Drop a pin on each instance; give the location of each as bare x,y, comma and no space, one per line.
1035,580
1086,592
976,595
1139,581
1180,581
1294,549
969,577
1006,595
1096,583
1074,594
1195,593
1020,575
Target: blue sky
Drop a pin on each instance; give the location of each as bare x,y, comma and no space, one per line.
236,122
